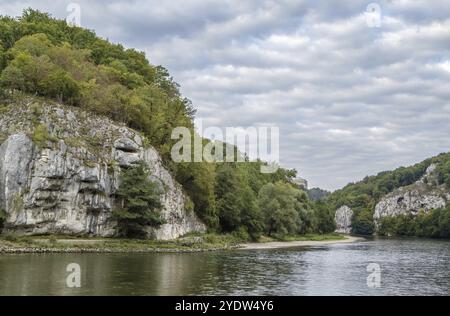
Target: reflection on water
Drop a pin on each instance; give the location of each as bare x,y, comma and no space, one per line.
408,266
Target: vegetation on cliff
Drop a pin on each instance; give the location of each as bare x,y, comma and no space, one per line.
2,218
435,224
139,199
362,197
43,56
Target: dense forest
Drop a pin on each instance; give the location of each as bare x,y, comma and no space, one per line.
362,197
43,56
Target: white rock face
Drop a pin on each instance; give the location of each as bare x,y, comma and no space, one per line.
426,194
409,201
343,218
68,186
429,177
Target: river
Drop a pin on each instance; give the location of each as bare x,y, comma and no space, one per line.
406,267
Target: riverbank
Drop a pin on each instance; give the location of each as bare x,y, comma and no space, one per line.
294,244
200,243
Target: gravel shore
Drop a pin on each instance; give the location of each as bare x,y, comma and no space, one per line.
80,247
293,244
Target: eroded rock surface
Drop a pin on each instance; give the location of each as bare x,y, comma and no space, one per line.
409,201
343,218
67,184
424,195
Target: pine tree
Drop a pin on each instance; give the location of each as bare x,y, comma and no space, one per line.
139,200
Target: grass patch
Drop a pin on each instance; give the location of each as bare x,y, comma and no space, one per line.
3,137
41,137
74,142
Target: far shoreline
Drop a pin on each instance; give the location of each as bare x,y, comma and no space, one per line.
295,244
83,246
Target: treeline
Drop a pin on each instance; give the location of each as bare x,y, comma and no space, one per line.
363,196
254,203
317,194
43,56
434,224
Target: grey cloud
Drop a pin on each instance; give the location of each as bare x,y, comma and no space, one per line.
349,100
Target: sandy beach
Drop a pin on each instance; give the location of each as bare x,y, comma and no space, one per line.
293,244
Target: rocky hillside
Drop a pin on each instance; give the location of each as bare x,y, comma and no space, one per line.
60,168
427,193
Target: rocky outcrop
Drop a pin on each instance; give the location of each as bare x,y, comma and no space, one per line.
409,201
343,218
65,183
424,195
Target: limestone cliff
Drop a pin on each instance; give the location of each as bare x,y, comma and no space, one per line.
343,218
60,168
424,195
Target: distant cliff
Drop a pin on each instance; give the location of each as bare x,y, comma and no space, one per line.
60,168
381,204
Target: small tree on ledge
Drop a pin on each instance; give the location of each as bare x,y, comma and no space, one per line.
139,200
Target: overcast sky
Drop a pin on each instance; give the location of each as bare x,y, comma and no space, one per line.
350,98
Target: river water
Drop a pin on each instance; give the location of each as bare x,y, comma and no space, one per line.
406,267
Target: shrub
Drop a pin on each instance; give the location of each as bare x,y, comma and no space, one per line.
52,240
10,237
41,136
2,218
362,223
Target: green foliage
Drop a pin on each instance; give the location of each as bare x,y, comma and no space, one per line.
139,202
317,194
12,78
3,217
60,85
280,206
53,240
324,218
2,58
236,202
41,136
34,45
11,237
444,173
435,224
198,181
228,199
362,223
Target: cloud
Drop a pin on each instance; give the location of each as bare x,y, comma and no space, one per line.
349,100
